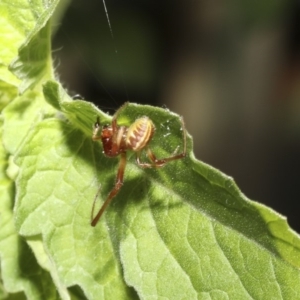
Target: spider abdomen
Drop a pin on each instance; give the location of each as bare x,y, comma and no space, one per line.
139,134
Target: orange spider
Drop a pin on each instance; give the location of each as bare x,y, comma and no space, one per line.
117,140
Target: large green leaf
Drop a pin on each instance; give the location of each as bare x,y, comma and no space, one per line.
183,231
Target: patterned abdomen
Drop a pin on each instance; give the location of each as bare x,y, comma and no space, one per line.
139,134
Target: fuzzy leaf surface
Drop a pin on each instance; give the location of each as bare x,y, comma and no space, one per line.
183,231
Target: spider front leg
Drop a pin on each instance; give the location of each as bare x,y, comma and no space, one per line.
113,192
157,163
117,113
96,130
114,126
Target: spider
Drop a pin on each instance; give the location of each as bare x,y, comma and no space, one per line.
117,140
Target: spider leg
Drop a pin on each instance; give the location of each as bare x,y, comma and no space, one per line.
157,163
94,202
96,130
115,116
113,192
114,125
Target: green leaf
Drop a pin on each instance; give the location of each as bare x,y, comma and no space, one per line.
8,92
19,269
21,23
67,233
34,62
21,115
183,231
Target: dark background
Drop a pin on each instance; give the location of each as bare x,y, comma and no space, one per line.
231,68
